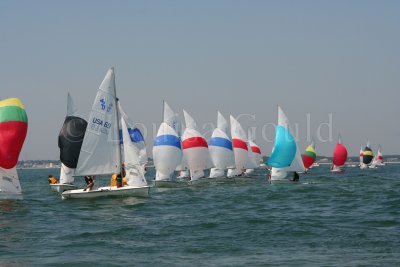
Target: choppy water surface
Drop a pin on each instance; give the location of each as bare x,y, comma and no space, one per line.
325,220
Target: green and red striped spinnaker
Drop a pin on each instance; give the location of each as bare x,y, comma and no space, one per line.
13,129
309,157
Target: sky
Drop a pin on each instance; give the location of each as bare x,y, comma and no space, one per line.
316,59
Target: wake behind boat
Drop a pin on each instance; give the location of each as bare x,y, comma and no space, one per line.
101,153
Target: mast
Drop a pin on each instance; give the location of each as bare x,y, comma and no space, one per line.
118,122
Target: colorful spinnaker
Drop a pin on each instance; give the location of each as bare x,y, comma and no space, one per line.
309,156
13,129
368,155
286,157
339,156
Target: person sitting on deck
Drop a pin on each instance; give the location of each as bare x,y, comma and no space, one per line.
52,180
296,177
89,182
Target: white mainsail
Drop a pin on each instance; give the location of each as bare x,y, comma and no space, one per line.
95,159
134,167
71,108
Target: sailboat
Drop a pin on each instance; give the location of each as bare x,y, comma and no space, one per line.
286,161
182,169
69,141
378,160
254,154
339,157
309,157
220,147
368,156
167,152
13,129
240,148
361,155
195,148
101,152
137,153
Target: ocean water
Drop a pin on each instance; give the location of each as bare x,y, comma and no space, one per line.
352,219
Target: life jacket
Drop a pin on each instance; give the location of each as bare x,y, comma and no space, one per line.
52,180
113,180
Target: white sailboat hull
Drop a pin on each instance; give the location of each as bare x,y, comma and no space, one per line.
233,173
280,175
249,172
215,173
62,187
337,169
107,191
183,174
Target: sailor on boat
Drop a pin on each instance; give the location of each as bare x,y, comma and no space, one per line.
52,180
89,182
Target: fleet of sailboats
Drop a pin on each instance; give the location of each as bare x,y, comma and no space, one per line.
110,144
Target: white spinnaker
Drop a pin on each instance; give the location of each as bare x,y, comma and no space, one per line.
256,155
10,187
197,156
221,157
100,152
166,157
66,175
241,154
252,160
133,166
